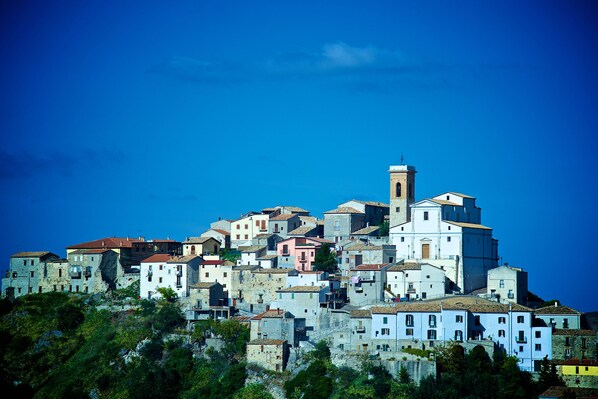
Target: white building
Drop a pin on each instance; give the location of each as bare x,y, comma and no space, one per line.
446,231
163,270
507,284
245,229
467,321
314,278
416,281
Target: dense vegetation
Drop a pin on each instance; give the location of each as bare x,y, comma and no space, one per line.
59,345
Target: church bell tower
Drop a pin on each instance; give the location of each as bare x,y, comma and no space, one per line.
402,193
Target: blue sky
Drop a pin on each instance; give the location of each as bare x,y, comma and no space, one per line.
121,120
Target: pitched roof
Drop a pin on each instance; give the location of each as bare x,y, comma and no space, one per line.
469,225
267,257
198,240
89,251
275,270
444,202
366,230
460,302
213,262
34,254
371,203
363,247
204,285
223,232
156,258
262,341
460,195
344,209
284,216
370,267
405,266
301,230
181,258
252,248
302,288
271,314
108,242
247,267
560,309
567,331
360,313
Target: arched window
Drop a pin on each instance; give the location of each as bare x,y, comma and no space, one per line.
398,189
192,249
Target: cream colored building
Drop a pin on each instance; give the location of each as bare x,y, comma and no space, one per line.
245,229
201,246
271,354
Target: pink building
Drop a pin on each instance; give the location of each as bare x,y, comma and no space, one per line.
299,252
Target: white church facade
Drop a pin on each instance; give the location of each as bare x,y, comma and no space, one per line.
445,231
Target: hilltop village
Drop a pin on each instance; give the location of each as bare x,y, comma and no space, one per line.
368,278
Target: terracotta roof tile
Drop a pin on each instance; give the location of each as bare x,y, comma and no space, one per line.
108,242
556,310
360,313
302,288
567,331
366,230
284,216
370,267
344,209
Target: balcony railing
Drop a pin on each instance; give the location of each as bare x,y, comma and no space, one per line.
360,330
521,340
75,274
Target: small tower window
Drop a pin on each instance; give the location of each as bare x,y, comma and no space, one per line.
398,189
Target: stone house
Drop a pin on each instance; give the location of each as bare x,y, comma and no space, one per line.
278,324
26,271
374,212
507,284
559,316
123,247
253,289
271,354
341,222
56,276
206,301
94,270
367,284
266,240
201,246
354,253
573,344
284,223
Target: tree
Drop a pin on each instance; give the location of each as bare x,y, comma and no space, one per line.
384,229
168,294
253,391
325,259
548,376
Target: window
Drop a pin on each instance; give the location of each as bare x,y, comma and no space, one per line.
402,239
501,333
409,331
39,289
521,336
246,227
502,320
24,262
246,236
398,209
337,225
409,320
385,320
538,347
161,266
458,319
448,239
501,284
538,334
225,274
520,319
398,189
32,273
476,320
385,331
567,341
458,335
159,279
207,274
431,334
520,348
583,343
565,321
257,223
425,215
238,236
432,320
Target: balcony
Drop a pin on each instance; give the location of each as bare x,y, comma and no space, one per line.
411,290
510,295
360,330
358,289
521,340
